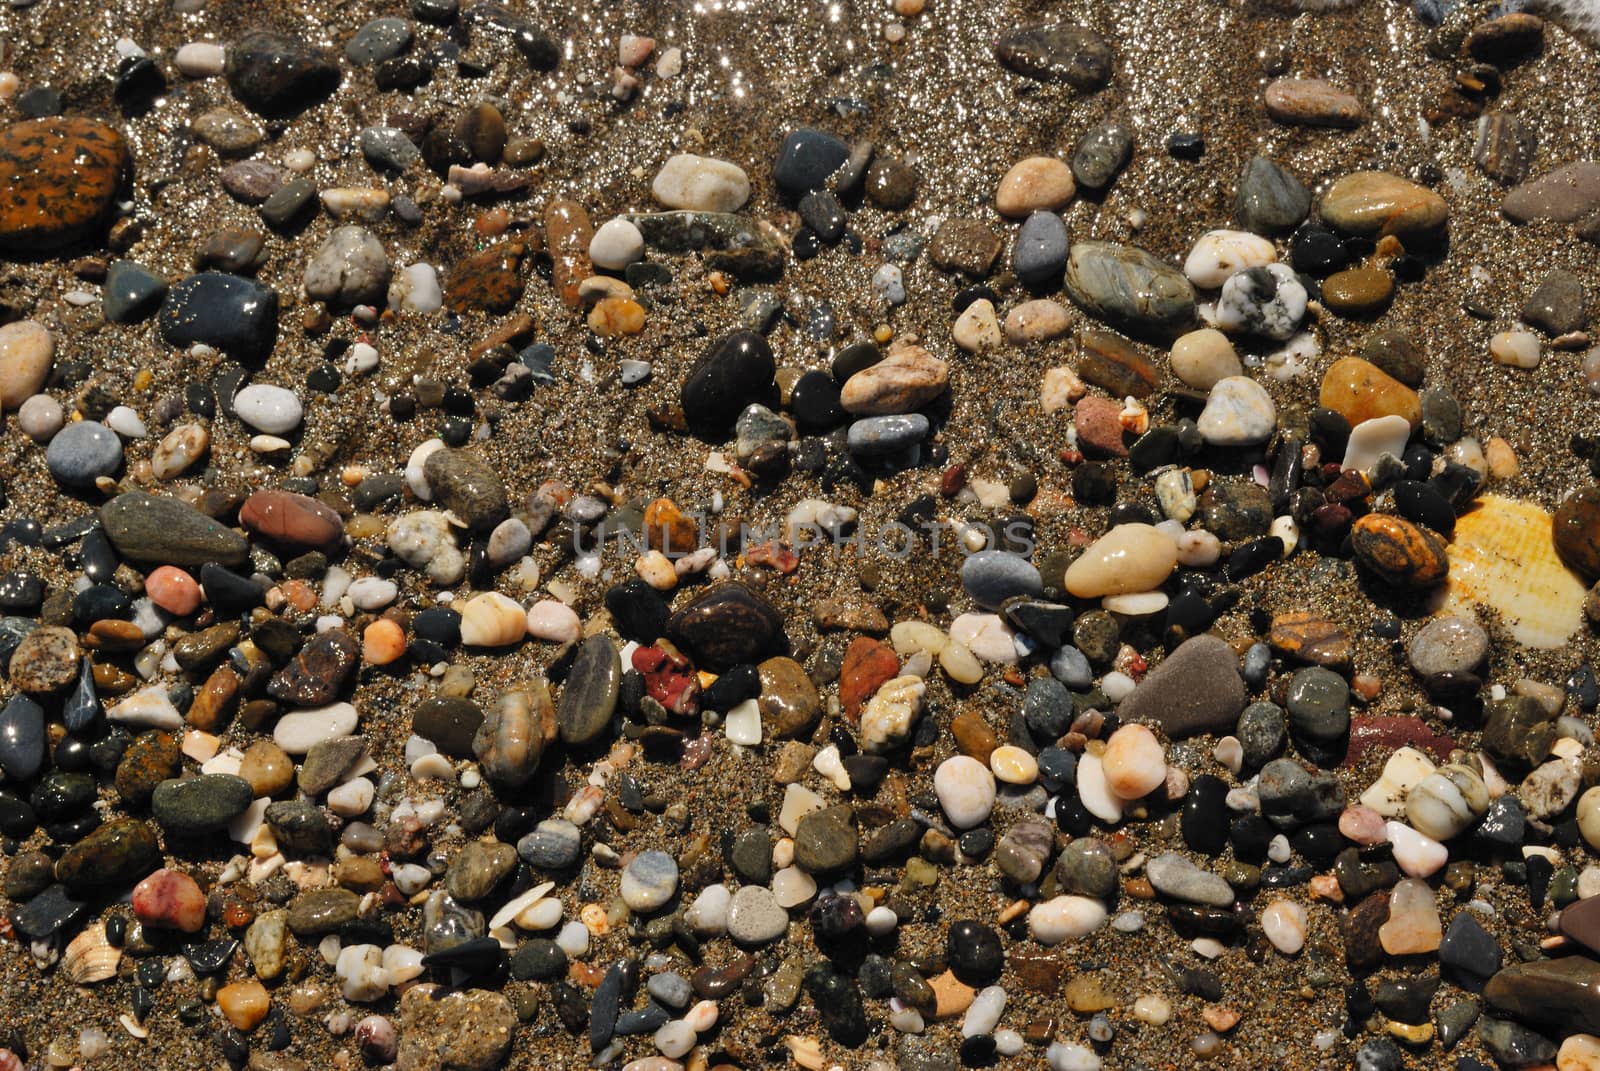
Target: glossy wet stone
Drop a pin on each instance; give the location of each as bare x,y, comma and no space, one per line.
236,315
59,177
589,697
728,625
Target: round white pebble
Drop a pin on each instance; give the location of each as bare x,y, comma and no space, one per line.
616,244
966,790
274,410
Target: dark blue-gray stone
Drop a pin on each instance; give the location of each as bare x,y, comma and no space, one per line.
82,705
1514,1045
607,1003
235,315
806,159
378,40
993,576
22,738
388,148
554,844
276,75
1469,949
1270,200
1504,825
83,452
47,913
131,292
1101,153
1041,249
882,436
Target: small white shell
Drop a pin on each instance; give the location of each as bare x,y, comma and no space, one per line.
90,958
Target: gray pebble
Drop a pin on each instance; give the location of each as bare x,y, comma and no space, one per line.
993,576
885,435
83,452
1041,249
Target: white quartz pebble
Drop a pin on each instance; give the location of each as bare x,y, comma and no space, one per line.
1416,854
1284,923
983,1014
1062,917
274,410
616,244
966,790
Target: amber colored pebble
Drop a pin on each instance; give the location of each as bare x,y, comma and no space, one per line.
1404,554
973,735
244,1004
1359,390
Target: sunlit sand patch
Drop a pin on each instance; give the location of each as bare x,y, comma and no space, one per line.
1502,558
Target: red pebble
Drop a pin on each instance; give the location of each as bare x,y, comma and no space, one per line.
170,899
1099,424
174,590
669,678
291,518
867,665
1389,731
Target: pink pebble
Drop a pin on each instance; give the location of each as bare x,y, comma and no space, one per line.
174,590
1362,825
170,899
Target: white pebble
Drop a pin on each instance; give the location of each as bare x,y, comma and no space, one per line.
125,422
1062,917
1067,1056
353,798
966,790
1518,349
40,417
616,244
983,1014
274,410
701,183
372,593
1284,923
200,59
1218,254
1417,855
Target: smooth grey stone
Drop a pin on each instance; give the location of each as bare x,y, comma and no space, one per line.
82,452
1129,289
350,268
203,804
131,292
388,148
169,531
1270,200
883,436
590,696
993,576
1058,53
1041,249
806,159
378,40
1557,306
1101,153
82,705
554,844
1071,667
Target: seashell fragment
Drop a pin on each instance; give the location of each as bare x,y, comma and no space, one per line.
91,958
1502,558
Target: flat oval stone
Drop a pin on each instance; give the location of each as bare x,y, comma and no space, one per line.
883,436
511,739
26,350
316,674
1041,249
58,179
1066,53
118,853
236,315
1576,531
22,738
1129,289
168,532
1312,102
1375,203
291,518
993,576
203,804
1402,553
1567,194
45,661
467,486
1359,390
450,722
728,625
590,696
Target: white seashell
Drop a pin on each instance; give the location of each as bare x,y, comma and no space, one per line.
1503,557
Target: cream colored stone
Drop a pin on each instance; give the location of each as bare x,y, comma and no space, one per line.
1129,558
1036,184
1202,358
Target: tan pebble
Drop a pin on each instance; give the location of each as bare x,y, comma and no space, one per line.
906,380
951,995
656,569
1204,358
26,350
1036,184
976,329
492,620
1134,762
1502,459
1037,320
1129,558
1060,387
614,316
1579,1052
1219,1018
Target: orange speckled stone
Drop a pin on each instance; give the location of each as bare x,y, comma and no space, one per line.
490,281
1359,390
58,177
1404,554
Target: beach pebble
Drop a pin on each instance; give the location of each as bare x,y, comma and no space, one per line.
492,620
1238,412
1516,349
1312,102
82,452
1374,203
1284,923
554,622
1064,917
1219,254
1204,358
649,881
701,184
349,268
300,730
40,417
616,244
754,916
1035,184
170,899
1041,248
1130,558
1372,439
1134,762
274,410
1268,301
977,329
27,350
1177,877
966,790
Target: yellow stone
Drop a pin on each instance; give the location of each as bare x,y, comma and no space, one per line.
1086,994
1502,558
1128,559
244,1004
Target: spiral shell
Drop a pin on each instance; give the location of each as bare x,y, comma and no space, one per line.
91,958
